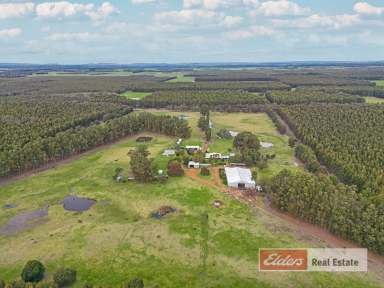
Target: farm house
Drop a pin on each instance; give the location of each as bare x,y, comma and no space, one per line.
239,177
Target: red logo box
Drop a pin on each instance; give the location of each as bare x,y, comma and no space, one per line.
283,260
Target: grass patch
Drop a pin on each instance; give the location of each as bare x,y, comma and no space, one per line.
181,78
379,82
135,95
374,100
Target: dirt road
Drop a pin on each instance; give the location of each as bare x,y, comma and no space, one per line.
295,226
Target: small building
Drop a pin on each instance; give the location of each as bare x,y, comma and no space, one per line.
233,133
183,117
193,164
210,124
240,178
192,149
213,155
169,152
266,144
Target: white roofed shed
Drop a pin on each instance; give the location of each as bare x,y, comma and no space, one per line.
240,178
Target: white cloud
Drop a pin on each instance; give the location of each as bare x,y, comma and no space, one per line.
143,1
61,9
10,33
230,21
252,32
13,10
81,36
213,4
280,8
368,9
313,21
195,17
102,12
64,9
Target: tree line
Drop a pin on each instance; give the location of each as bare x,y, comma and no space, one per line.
306,96
346,138
76,140
323,201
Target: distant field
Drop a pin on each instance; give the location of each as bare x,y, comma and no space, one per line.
379,82
135,95
112,73
374,100
181,78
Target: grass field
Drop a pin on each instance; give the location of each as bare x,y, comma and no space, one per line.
259,123
117,239
379,82
373,100
181,78
135,95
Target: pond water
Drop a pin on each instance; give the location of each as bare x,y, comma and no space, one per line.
78,204
24,221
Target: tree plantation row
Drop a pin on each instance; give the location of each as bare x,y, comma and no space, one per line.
346,138
337,207
72,141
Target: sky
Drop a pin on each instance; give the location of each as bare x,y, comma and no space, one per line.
184,31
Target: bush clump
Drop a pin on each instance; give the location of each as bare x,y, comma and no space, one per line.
64,277
134,283
205,171
45,284
17,284
33,271
175,169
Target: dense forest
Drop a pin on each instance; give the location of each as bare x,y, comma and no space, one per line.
305,96
54,130
335,206
197,98
348,139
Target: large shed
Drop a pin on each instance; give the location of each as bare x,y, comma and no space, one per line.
240,178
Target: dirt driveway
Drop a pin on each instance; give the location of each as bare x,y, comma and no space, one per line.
300,229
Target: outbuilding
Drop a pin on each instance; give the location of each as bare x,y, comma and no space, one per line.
169,152
193,164
240,178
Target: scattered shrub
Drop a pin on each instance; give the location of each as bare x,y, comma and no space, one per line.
134,283
33,271
223,176
45,284
17,284
64,277
205,171
175,168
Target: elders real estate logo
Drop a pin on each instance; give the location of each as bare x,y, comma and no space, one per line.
283,260
314,259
